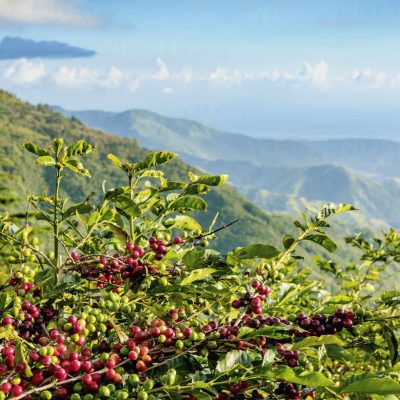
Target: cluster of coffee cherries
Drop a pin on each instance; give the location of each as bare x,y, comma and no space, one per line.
135,263
29,321
53,360
253,303
236,391
22,281
291,391
319,324
290,357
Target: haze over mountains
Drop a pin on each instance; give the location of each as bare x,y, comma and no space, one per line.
278,175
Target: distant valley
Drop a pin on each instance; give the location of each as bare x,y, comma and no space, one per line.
278,175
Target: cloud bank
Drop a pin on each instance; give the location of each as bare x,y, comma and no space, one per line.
46,12
318,75
16,48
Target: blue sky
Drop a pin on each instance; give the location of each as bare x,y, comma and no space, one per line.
277,68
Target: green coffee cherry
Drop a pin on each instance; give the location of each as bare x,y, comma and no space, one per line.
143,396
78,387
46,395
104,392
134,380
148,385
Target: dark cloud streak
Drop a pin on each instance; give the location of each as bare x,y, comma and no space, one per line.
16,47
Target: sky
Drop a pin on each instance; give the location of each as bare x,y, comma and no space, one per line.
268,68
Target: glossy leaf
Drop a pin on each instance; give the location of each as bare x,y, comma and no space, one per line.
313,341
47,161
305,378
35,149
257,251
197,275
188,203
79,148
234,358
373,386
326,242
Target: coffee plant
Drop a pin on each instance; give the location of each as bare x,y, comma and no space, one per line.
126,300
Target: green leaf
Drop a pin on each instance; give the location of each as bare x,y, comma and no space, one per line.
313,341
212,180
392,343
115,160
83,208
47,161
79,148
234,358
373,386
20,357
197,188
118,231
205,386
185,222
329,209
269,357
35,149
76,166
305,378
187,203
128,206
199,395
339,299
256,251
322,240
112,193
194,258
197,275
152,173
5,300
287,241
57,145
154,159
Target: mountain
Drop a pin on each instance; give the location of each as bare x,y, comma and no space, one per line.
191,138
290,188
278,175
21,122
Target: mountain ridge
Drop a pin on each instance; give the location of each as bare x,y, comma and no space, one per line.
294,173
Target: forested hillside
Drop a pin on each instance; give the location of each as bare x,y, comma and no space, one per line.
21,122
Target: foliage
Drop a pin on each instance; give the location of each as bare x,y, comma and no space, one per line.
133,303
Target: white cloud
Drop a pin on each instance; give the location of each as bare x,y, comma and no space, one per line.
310,73
37,12
169,90
114,78
369,78
75,77
223,75
162,73
315,73
25,72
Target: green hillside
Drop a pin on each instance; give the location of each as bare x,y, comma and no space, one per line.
194,139
20,122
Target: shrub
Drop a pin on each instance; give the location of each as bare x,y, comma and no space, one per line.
132,303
